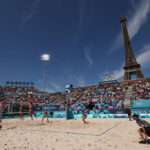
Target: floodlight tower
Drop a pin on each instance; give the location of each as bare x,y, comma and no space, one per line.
45,58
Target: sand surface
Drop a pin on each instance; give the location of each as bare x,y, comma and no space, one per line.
59,134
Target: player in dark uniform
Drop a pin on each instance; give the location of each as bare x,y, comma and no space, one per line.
128,111
144,131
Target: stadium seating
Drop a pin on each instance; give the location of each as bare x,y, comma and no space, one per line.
103,99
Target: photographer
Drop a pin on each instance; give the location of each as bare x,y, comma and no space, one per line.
144,131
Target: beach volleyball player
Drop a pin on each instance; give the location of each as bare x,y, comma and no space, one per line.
84,116
128,111
1,108
45,115
144,131
21,111
31,112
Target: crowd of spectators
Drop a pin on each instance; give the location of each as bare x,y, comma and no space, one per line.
111,94
141,90
13,95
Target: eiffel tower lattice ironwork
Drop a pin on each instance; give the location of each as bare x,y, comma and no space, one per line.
131,66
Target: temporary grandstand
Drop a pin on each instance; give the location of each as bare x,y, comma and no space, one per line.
106,99
99,101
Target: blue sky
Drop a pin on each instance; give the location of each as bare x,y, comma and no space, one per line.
83,37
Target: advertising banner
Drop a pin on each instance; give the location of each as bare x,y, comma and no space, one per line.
140,103
141,111
117,111
52,107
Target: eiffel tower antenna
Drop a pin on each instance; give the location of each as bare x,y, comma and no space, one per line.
131,66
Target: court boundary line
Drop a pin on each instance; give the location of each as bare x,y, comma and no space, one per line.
65,132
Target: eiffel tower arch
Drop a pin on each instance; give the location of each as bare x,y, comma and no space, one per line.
131,66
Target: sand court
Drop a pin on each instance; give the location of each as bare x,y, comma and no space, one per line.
59,134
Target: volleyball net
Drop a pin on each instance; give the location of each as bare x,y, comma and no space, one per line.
54,110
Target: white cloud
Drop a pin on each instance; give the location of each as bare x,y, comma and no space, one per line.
143,58
49,90
118,73
87,56
56,86
82,10
81,81
137,19
76,80
85,9
29,16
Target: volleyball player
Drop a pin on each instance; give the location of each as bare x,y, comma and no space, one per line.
128,111
21,111
1,108
84,116
45,115
31,112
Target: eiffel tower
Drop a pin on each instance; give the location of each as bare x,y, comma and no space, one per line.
131,66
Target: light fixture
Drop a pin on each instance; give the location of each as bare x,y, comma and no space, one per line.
45,57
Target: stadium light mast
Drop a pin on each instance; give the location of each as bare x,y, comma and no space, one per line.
45,58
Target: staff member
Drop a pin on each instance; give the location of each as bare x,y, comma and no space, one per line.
144,131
